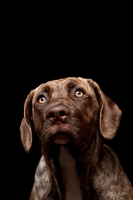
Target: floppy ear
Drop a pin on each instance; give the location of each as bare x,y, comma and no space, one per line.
110,114
25,127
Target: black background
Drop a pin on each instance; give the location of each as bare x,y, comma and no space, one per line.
37,49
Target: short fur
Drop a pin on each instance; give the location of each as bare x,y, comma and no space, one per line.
71,116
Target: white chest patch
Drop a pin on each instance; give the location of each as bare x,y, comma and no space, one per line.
43,181
70,176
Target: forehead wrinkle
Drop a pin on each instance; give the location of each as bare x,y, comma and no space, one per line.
58,87
81,82
40,89
84,82
61,87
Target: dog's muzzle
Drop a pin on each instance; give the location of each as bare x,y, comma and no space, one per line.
57,115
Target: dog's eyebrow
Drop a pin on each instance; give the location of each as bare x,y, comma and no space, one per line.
72,84
46,88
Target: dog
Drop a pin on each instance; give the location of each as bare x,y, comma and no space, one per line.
71,116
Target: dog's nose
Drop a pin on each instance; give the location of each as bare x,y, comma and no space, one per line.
57,114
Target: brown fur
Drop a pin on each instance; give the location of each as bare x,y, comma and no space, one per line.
75,114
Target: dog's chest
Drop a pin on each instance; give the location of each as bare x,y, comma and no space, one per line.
69,175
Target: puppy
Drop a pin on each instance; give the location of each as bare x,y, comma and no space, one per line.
71,117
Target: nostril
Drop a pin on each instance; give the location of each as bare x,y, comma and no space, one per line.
51,115
62,113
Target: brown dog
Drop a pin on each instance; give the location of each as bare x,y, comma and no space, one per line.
71,116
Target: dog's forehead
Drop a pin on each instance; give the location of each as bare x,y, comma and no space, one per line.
60,84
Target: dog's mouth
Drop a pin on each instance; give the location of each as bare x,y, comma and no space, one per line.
61,138
61,134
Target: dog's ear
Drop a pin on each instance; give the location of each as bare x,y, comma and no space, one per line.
110,114
26,125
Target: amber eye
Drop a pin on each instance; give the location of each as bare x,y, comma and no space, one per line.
42,99
78,93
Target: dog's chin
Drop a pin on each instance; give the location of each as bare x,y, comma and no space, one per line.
61,138
62,134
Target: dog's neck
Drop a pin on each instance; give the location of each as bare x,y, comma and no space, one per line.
69,175
72,174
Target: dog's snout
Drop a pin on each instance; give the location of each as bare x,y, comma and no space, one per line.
57,114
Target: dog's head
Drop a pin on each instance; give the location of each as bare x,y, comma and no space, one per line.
68,109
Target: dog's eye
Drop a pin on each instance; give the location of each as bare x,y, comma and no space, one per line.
78,93
42,99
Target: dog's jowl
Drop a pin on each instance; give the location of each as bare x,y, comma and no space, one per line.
71,116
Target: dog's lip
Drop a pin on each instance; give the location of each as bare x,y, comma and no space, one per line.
62,128
61,138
